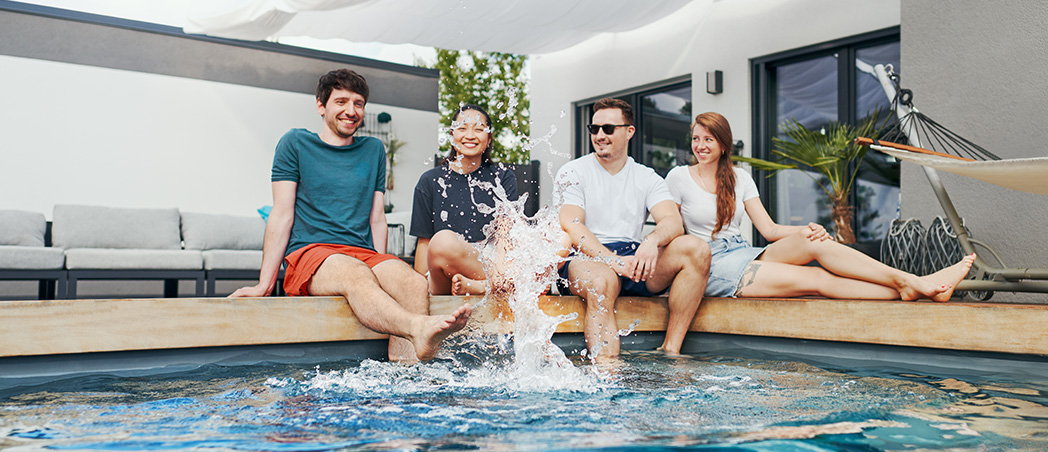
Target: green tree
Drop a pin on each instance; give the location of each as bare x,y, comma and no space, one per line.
495,81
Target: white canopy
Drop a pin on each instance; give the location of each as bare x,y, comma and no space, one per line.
512,26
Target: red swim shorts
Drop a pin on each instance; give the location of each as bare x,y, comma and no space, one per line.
304,262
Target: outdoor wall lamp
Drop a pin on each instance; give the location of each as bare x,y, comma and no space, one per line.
715,82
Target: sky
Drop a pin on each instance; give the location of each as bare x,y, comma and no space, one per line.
174,13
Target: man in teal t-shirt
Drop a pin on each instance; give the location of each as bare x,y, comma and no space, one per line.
329,225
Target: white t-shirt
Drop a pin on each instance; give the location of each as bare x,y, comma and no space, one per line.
699,207
616,205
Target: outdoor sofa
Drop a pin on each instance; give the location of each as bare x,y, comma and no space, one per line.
26,254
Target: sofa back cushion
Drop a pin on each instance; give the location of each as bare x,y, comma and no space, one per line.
79,226
21,228
203,231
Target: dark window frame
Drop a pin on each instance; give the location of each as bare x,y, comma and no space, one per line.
582,112
763,96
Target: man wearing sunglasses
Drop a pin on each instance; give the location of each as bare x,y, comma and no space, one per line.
607,197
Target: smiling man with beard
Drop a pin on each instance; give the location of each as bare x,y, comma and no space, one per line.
329,225
607,198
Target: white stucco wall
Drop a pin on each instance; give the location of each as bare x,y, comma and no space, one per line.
76,134
701,37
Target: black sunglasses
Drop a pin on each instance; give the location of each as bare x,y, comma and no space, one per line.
608,128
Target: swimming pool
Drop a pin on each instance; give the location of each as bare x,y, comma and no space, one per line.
728,399
733,392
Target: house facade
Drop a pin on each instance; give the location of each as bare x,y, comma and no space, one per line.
979,73
143,115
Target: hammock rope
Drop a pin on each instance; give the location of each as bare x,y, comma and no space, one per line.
927,132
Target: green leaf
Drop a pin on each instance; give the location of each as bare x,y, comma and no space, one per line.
495,81
832,153
763,164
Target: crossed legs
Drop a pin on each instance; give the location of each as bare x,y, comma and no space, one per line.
845,273
390,298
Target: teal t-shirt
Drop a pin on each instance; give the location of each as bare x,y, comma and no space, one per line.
336,187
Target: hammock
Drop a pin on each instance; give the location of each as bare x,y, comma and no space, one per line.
919,139
1026,174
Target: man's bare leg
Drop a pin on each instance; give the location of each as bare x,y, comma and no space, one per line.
377,310
411,293
684,263
599,286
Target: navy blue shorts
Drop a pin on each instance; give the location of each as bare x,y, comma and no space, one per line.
628,286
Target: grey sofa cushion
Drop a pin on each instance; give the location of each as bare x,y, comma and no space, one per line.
31,258
21,228
123,259
78,226
202,231
232,259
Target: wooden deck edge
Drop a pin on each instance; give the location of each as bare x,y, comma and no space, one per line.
49,327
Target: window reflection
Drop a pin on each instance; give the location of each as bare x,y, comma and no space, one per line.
807,92
666,128
809,89
877,189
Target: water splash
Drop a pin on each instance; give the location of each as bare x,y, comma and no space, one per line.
520,255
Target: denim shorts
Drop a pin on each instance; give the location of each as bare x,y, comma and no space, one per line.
627,286
730,258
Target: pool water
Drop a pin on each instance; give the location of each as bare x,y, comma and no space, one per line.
645,401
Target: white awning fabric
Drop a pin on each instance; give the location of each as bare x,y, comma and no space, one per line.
511,26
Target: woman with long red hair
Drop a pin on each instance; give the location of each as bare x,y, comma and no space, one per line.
713,195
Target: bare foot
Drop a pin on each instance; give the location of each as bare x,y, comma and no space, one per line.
435,328
502,289
461,285
502,285
401,351
669,352
939,286
609,365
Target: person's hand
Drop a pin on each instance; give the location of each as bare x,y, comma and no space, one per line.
646,256
817,233
641,265
251,291
622,265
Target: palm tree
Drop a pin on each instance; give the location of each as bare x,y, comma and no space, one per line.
832,153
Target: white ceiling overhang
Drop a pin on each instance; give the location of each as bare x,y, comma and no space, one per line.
511,26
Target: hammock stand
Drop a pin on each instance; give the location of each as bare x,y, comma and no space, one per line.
945,148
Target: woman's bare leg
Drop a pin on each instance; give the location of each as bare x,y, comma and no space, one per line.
849,263
775,279
449,254
461,285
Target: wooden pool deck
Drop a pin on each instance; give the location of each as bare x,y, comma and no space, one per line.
63,327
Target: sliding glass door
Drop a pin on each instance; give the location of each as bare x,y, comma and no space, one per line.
817,85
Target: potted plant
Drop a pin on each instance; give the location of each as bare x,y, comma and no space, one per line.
392,147
830,152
